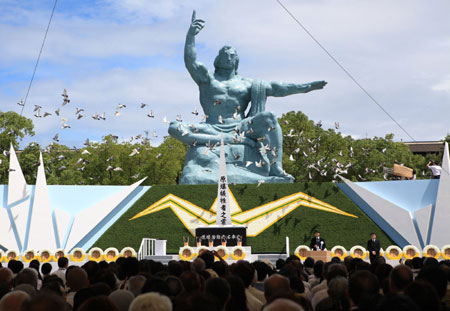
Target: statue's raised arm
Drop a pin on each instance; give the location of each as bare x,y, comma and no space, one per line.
281,89
197,70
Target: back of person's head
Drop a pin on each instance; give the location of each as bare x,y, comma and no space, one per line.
337,287
199,264
275,285
291,258
157,285
208,258
363,288
45,301
99,303
283,304
53,284
424,295
175,268
279,263
81,296
436,277
400,277
397,302
175,286
382,272
238,298
336,259
219,289
129,267
191,281
309,262
101,289
15,265
220,267
417,262
77,279
122,299
13,301
63,262
107,277
318,268
27,276
151,302
91,268
336,270
135,284
6,278
27,288
296,284
245,271
46,268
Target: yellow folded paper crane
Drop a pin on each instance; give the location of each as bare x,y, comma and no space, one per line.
256,219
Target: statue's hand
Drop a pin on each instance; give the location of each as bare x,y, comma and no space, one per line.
249,142
196,25
317,85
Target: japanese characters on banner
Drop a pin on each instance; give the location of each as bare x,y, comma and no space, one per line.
223,202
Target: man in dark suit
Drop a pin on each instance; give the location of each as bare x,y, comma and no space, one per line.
317,243
373,246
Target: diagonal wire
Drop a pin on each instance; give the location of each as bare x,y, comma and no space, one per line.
349,74
39,57
345,70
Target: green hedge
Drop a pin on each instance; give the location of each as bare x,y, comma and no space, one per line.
299,225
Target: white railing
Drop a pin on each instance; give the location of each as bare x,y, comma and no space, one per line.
147,248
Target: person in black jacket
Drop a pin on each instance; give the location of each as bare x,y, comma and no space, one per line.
317,243
373,246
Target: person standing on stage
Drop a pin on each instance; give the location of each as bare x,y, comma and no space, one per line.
317,243
373,246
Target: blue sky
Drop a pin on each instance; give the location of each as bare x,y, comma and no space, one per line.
131,51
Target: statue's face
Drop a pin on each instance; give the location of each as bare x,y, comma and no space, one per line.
226,59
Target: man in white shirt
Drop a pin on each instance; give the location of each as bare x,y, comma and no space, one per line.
435,169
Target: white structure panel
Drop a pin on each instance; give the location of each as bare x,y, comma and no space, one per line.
41,234
423,218
398,218
62,222
440,234
89,218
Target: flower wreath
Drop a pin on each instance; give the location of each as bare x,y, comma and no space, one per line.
126,250
92,252
2,255
76,251
11,252
60,252
44,255
107,254
361,249
409,248
235,256
338,248
186,257
28,255
445,251
430,247
225,251
300,248
394,248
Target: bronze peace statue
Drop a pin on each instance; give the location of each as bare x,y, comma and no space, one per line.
235,108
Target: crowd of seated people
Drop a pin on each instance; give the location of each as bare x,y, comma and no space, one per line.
214,285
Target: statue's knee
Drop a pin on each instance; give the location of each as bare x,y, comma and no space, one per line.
269,118
173,128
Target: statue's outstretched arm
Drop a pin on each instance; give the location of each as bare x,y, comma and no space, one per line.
280,89
197,70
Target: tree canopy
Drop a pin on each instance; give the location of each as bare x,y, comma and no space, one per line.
310,153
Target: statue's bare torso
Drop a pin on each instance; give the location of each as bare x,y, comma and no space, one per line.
226,98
